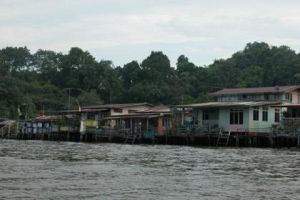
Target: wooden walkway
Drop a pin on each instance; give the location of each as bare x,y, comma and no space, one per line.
229,139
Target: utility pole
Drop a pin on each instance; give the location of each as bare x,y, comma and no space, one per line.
69,97
69,102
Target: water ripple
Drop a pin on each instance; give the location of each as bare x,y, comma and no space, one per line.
66,170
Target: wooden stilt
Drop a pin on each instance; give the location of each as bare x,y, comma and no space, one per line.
237,141
271,141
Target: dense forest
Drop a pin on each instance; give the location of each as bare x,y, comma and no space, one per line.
47,80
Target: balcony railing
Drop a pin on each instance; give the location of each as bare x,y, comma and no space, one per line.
291,122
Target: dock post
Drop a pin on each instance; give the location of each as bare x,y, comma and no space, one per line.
9,132
192,140
110,136
249,141
166,138
254,141
187,139
68,136
237,140
271,140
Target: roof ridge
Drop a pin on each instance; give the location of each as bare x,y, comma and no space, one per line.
255,90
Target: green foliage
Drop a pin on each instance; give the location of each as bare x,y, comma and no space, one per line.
88,98
44,81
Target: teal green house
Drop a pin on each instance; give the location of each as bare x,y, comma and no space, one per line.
242,109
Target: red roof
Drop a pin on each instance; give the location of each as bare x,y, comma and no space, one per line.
257,90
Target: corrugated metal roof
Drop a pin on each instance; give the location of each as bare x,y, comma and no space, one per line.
45,118
137,115
227,104
124,105
7,122
257,90
85,110
156,109
153,112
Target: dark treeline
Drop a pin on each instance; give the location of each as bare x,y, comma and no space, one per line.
44,81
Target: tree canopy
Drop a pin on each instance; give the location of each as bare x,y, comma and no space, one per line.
43,81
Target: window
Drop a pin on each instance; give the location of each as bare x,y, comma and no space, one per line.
267,97
165,122
256,114
236,117
117,110
90,116
265,114
104,114
205,115
277,115
287,96
131,111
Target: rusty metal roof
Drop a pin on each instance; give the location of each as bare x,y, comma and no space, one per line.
138,115
45,118
123,105
257,90
80,111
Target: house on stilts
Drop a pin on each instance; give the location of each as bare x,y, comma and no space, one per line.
244,110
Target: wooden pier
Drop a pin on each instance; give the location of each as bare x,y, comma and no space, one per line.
181,137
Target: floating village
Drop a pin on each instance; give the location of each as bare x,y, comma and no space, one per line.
241,117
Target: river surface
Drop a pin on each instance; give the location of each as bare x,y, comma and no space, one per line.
66,170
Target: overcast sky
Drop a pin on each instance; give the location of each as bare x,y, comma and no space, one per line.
125,30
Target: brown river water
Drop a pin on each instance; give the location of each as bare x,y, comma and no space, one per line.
66,170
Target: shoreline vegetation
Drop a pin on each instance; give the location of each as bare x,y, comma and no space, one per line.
45,81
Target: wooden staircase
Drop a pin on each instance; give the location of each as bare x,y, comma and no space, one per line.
132,138
223,138
3,132
8,131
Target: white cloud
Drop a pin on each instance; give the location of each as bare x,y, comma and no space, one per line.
201,30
